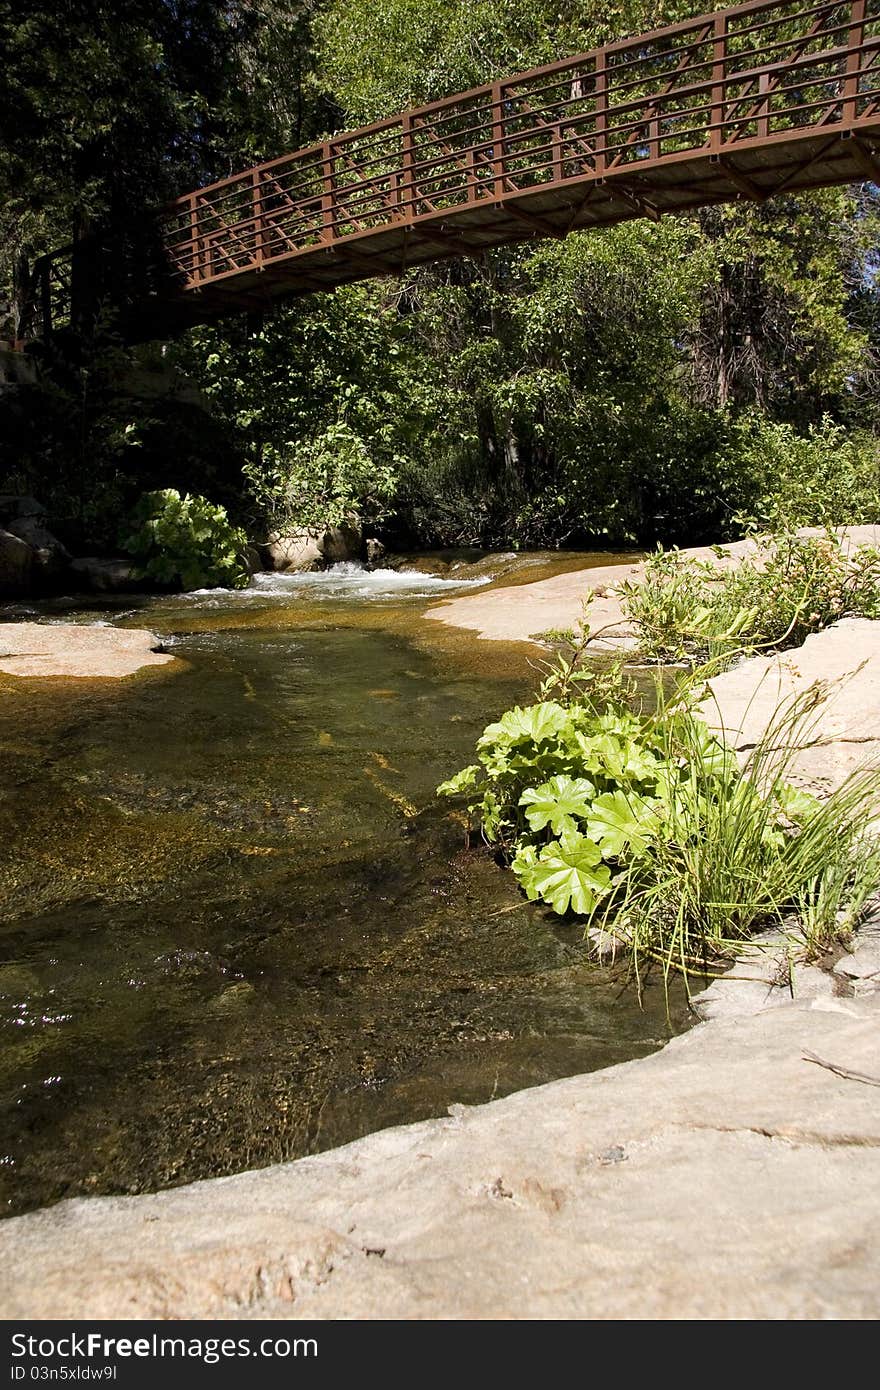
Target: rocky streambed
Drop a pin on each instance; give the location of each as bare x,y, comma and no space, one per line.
733,1174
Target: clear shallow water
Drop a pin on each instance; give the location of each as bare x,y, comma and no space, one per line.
237,927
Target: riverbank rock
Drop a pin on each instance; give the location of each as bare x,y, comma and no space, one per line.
15,508
518,613
842,734
98,575
296,550
16,565
50,559
712,1180
73,649
306,550
342,542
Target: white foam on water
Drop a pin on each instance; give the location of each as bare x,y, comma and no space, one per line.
347,580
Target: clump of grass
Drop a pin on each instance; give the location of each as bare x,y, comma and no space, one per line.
729,866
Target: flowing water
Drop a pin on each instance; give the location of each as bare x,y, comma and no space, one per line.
237,927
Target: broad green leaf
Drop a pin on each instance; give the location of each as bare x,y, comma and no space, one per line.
464,781
557,802
617,760
568,874
618,819
535,723
796,804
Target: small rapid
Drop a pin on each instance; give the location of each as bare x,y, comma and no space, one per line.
348,580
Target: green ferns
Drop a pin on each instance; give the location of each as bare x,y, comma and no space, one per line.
647,824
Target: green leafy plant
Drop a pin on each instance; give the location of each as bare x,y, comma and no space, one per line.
647,823
791,586
322,480
187,541
824,477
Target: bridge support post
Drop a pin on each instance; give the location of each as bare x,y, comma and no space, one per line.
600,115
854,60
497,141
327,216
719,54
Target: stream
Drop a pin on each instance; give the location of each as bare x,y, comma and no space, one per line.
237,926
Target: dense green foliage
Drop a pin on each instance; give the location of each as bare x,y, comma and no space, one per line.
645,823
187,542
638,384
789,587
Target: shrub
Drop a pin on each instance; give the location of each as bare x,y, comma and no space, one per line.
646,823
187,541
792,586
320,481
827,477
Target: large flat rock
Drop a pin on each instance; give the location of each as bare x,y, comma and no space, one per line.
842,734
724,1177
515,614
72,649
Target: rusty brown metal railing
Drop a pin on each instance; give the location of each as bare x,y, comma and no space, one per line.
766,97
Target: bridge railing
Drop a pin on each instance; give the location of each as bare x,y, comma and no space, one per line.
760,72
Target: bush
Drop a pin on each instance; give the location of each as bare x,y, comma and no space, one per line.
187,542
826,477
646,823
792,586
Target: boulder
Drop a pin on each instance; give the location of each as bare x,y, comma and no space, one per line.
14,508
295,550
102,576
50,557
16,565
342,542
311,549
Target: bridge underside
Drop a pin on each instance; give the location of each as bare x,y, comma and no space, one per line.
757,170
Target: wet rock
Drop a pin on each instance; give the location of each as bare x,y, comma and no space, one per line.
16,565
578,1187
104,576
50,557
342,542
312,549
